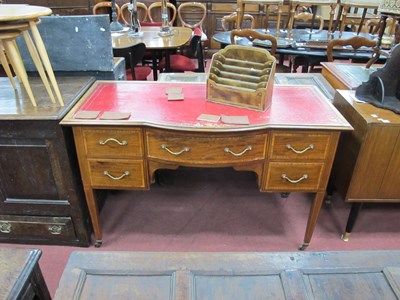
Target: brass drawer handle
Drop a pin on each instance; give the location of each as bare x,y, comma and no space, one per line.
121,143
305,176
126,173
165,147
248,148
55,229
5,227
309,147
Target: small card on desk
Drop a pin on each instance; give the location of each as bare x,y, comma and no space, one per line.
208,118
111,115
175,97
240,120
173,90
87,114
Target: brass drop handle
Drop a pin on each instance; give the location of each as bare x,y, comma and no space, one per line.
165,147
121,143
55,229
5,227
248,148
309,147
284,176
126,173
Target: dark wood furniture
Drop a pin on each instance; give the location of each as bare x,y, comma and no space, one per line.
366,167
41,195
354,275
20,275
290,147
60,7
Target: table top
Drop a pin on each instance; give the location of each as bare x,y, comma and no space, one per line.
16,12
262,275
150,36
16,266
297,45
297,107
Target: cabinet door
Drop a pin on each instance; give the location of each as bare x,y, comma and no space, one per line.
390,188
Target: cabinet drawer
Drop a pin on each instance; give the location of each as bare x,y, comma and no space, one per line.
34,227
299,146
204,149
113,143
117,173
286,176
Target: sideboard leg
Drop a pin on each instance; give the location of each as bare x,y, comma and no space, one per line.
354,212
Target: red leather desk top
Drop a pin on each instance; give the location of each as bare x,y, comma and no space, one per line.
292,107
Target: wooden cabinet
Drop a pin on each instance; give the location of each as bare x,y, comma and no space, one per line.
60,7
41,194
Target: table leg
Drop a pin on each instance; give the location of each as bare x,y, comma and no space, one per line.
45,59
354,212
154,65
312,219
94,215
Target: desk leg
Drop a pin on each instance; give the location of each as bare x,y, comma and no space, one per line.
312,219
94,215
354,212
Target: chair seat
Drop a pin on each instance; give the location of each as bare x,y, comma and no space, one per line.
141,73
179,63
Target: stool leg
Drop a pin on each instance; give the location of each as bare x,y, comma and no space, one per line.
36,59
18,65
45,59
4,62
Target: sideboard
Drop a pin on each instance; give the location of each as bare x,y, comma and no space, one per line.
290,146
41,194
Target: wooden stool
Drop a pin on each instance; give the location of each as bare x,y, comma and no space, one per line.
21,18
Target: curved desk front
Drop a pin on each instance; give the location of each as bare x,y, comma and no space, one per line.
290,146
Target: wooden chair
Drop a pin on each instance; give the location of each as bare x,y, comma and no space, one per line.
241,11
251,35
154,12
183,63
105,8
308,17
312,4
248,21
141,12
355,42
347,6
136,54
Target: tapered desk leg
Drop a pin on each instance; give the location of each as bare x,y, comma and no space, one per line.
6,67
45,59
354,212
94,215
312,219
36,59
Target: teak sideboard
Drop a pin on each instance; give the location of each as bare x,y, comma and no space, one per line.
290,146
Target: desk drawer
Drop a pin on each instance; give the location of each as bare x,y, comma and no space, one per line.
299,146
286,176
113,143
35,227
203,149
117,173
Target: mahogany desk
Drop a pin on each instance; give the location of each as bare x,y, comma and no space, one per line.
349,275
290,146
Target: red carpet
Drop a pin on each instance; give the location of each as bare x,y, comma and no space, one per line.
222,210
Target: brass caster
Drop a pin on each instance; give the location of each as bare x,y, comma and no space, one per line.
346,236
98,243
328,199
303,246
